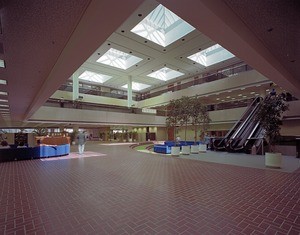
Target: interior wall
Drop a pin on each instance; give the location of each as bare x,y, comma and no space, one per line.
290,128
161,134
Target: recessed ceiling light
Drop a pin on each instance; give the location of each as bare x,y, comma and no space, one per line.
218,99
244,96
4,105
2,100
240,94
3,82
243,88
228,97
252,92
2,64
3,93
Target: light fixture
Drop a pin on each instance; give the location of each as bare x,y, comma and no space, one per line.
3,82
3,93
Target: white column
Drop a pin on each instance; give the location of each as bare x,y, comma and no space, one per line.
129,92
75,85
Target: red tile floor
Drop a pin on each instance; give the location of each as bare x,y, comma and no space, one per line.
122,191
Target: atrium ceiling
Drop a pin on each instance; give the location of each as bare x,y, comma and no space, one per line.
42,43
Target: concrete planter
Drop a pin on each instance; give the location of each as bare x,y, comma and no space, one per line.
175,151
186,149
202,148
194,148
273,160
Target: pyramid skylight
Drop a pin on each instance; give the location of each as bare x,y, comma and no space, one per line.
162,26
211,55
137,86
94,77
118,59
165,74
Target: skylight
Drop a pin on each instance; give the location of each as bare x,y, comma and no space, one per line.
94,77
212,55
137,86
165,74
118,59
162,27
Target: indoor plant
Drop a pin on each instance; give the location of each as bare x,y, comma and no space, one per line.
269,115
184,118
172,121
199,120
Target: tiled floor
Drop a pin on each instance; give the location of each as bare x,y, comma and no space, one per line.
122,191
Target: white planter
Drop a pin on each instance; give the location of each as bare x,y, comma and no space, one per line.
186,149
202,148
273,160
194,148
175,150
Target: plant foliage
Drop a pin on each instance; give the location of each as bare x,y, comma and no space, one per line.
269,116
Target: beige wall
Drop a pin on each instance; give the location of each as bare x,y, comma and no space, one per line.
291,128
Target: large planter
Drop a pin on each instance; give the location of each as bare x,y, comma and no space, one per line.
273,160
194,148
186,149
175,151
202,148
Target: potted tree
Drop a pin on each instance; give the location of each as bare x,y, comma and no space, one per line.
199,120
269,115
172,121
204,125
184,118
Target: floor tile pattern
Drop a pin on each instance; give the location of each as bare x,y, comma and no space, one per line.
128,192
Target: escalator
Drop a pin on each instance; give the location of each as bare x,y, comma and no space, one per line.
246,131
256,140
234,137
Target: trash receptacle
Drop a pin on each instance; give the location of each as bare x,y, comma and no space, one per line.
297,147
253,150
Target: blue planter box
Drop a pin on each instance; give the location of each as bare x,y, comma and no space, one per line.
11,154
159,148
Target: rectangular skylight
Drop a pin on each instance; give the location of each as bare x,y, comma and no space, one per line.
162,27
94,77
212,55
2,64
118,59
165,74
137,86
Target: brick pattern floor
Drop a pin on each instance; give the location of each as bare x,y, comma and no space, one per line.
123,191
